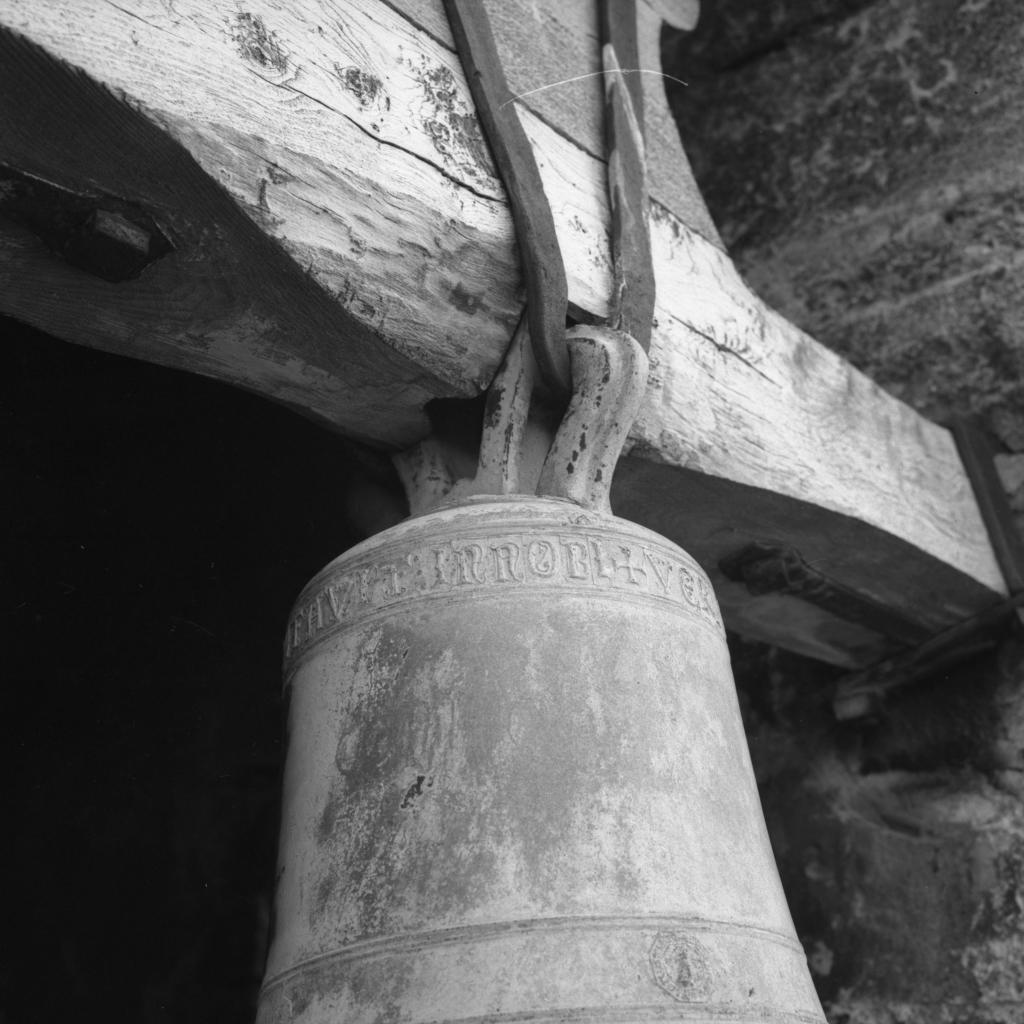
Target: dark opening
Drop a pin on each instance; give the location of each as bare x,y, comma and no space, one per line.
159,527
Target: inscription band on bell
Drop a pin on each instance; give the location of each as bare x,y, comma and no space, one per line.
359,587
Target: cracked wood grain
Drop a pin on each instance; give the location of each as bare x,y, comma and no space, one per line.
344,137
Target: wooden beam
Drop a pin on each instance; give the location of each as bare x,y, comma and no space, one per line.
222,299
345,137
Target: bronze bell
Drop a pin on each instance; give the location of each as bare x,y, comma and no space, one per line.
517,785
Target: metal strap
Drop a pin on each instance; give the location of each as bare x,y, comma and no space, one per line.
632,305
541,257
632,301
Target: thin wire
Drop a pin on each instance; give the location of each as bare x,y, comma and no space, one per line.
591,74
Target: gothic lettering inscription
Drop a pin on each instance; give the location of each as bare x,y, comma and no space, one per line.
552,559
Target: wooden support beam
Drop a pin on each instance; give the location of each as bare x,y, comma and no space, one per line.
344,138
219,298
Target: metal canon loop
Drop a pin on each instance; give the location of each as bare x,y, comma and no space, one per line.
609,372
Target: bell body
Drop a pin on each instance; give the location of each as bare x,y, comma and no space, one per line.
517,786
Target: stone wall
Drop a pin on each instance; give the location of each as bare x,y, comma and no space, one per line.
862,159
900,839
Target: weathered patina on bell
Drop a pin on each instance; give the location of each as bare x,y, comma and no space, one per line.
517,785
